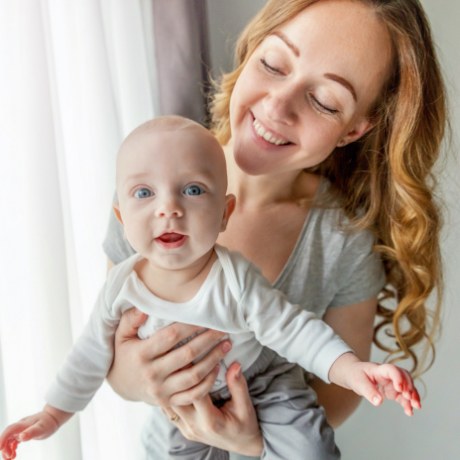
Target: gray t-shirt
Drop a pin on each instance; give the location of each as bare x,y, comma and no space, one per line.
328,268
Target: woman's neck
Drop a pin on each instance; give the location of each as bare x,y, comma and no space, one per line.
265,190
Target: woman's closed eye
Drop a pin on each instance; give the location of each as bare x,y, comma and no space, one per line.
318,105
323,107
270,68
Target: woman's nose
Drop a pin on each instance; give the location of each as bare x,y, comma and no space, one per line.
281,105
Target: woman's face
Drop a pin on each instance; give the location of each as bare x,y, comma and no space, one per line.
308,87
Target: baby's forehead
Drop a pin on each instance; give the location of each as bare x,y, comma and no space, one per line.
170,129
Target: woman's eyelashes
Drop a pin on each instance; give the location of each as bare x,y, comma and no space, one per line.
270,68
323,107
318,105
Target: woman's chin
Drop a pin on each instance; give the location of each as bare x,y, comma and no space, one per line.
250,165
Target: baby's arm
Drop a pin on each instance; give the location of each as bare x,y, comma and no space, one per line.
376,382
38,426
308,341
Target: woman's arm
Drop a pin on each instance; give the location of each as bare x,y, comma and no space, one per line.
355,324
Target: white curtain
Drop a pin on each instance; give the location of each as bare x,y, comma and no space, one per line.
75,78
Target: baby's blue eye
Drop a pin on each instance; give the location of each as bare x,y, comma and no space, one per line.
193,190
143,193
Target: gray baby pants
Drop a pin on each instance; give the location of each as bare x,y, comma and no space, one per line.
293,426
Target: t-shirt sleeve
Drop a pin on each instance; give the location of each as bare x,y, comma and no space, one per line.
115,244
360,274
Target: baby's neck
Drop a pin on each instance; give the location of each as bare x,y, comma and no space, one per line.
178,285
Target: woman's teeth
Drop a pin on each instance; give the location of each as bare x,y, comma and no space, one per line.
266,135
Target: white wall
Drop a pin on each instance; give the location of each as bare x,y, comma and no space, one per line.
385,433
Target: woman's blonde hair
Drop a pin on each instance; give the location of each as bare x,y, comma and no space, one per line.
384,182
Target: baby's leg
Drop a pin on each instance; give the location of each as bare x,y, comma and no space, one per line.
292,423
163,441
182,448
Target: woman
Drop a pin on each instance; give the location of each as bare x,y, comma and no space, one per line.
332,122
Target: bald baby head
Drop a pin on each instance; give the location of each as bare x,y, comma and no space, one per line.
174,139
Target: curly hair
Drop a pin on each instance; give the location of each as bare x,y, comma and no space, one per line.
384,181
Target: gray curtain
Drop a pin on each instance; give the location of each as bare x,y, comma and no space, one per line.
182,57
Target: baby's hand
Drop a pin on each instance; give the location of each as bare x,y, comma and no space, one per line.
393,383
386,381
37,426
376,382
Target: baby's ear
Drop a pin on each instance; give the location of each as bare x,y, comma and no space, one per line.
230,202
116,210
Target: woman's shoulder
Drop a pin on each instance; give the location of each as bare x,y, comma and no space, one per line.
328,238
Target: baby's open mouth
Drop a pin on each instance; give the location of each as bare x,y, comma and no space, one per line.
171,240
170,237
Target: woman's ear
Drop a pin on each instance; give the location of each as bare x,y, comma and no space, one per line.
230,202
362,127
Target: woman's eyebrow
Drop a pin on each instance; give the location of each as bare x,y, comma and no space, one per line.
344,82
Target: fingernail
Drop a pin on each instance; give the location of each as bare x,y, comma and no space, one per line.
375,400
226,347
238,373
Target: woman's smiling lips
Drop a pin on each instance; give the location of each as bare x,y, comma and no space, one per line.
171,240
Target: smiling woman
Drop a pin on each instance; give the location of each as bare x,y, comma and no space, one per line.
312,93
311,163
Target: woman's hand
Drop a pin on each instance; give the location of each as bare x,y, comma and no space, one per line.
233,427
153,371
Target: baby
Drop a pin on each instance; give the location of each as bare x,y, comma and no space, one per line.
171,186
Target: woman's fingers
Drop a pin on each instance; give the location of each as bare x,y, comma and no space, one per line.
192,382
197,392
130,321
202,345
238,387
233,426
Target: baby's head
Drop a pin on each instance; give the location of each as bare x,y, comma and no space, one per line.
171,187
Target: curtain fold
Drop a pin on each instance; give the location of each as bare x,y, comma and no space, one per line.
182,57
